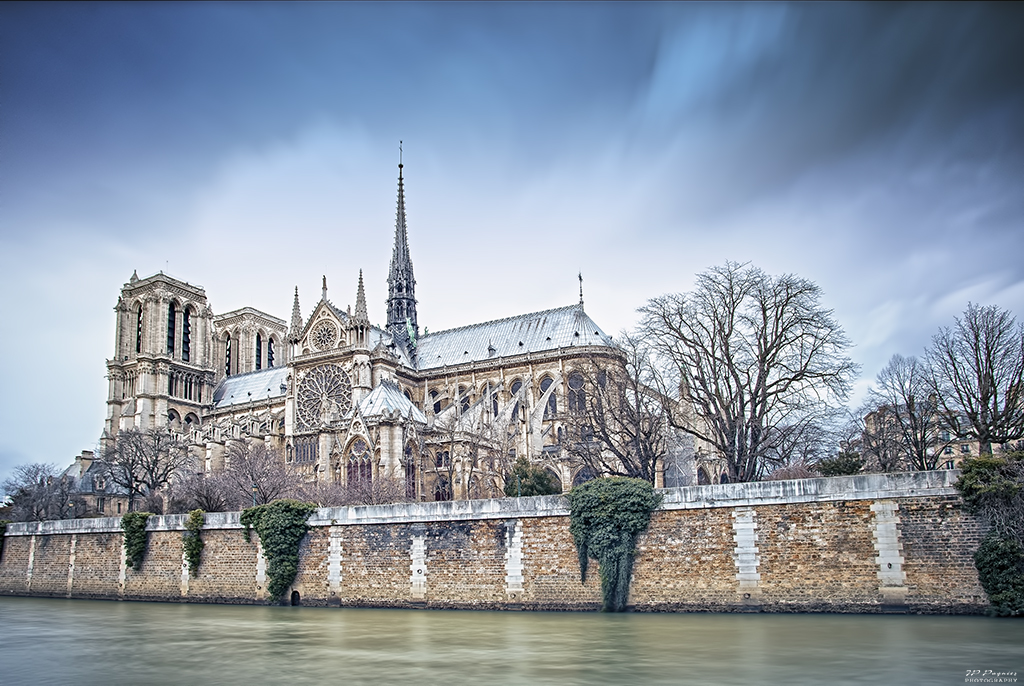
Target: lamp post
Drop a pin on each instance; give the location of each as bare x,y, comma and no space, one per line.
255,489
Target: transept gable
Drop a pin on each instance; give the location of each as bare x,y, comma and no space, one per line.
325,329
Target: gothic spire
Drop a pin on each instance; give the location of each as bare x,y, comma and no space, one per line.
401,282
296,328
361,316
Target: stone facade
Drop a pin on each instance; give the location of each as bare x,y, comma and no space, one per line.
878,543
444,413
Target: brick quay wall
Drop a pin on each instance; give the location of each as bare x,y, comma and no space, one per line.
872,543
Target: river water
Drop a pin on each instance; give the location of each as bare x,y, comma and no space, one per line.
79,642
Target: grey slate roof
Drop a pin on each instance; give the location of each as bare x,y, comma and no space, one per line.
563,327
242,388
387,399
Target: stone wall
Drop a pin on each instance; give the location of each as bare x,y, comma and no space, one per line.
897,542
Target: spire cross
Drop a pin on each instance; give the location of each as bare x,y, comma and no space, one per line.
581,287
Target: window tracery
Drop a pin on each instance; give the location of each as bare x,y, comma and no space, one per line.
359,463
323,394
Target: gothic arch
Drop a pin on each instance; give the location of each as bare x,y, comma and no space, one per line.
187,313
551,409
358,463
272,347
172,325
583,475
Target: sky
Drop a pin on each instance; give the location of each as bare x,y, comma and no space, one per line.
250,148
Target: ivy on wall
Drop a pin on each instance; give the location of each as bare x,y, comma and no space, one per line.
192,542
281,526
607,516
135,538
993,488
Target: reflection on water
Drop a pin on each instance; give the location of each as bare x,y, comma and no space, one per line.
50,641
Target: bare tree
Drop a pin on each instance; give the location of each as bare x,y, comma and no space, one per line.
750,352
618,415
881,439
379,491
323,493
904,413
978,376
200,490
256,474
144,462
40,492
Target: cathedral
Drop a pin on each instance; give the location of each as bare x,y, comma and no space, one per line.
343,401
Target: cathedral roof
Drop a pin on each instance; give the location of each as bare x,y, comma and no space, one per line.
387,399
263,385
563,327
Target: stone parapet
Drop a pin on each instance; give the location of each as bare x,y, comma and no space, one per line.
860,487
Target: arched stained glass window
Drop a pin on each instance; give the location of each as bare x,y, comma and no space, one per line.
259,352
442,489
170,329
517,386
410,473
138,329
186,334
551,409
359,464
227,356
577,396
270,352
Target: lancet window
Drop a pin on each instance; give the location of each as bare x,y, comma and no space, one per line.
170,329
259,352
410,473
552,407
517,386
577,396
305,449
360,464
138,329
270,352
186,334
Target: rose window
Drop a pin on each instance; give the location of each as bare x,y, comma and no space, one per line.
324,394
324,335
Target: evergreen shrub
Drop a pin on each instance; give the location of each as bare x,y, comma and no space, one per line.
993,488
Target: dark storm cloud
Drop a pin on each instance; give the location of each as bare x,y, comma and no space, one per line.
800,87
102,86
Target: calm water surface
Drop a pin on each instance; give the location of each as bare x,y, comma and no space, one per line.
48,641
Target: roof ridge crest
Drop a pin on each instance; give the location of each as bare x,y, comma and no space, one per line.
503,319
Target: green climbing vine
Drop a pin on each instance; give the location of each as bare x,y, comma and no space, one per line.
993,488
135,539
606,518
281,526
192,542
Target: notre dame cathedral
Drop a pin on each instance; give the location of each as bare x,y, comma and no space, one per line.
346,401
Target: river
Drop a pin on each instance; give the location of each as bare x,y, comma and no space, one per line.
80,642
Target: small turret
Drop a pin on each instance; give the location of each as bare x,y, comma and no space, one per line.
296,328
361,316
